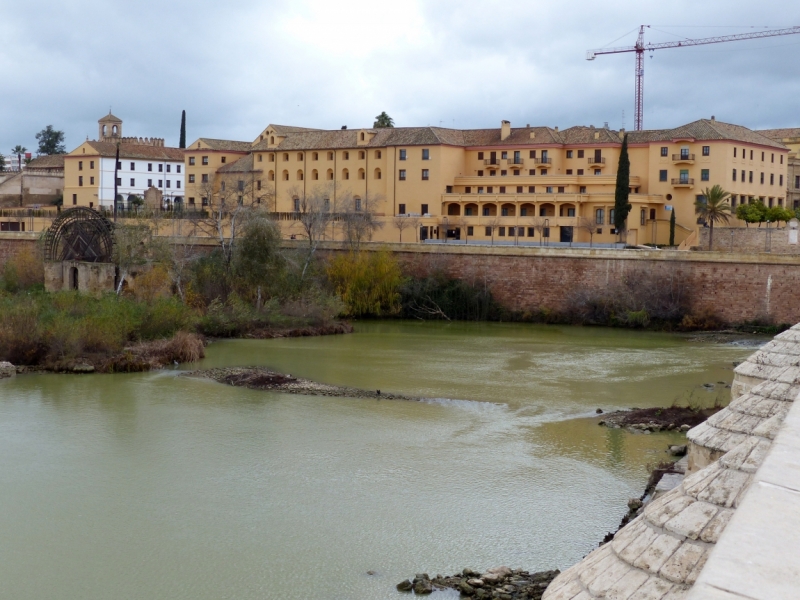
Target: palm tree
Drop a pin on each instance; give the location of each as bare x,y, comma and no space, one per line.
383,120
19,151
712,207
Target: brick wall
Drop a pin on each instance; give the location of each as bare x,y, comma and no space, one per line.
13,243
749,239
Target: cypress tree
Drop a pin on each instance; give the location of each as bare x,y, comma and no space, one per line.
621,205
182,143
672,227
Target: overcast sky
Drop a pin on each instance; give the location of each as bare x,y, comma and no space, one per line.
235,67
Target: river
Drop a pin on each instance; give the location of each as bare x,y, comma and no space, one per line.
153,485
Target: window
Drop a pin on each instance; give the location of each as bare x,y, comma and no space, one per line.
119,180
425,174
424,209
91,163
797,182
258,184
706,150
664,151
361,154
503,173
492,173
772,178
569,171
582,189
544,171
662,175
470,230
240,185
734,174
480,189
516,171
519,189
160,168
204,201
751,177
330,155
315,156
580,153
480,173
704,175
489,189
345,174
501,231
762,177
781,181
531,189
91,180
580,171
402,175
177,184
299,156
597,172
204,160
504,155
468,189
401,209
168,183
169,168
548,189
74,199
285,156
133,166
781,161
149,183
133,182
561,189
599,216
480,155
751,155
502,189
80,165
204,177
191,200
734,152
260,158
191,162
642,217
531,171
611,216
569,153
80,180
378,154
488,230
296,204
426,154
119,164
358,204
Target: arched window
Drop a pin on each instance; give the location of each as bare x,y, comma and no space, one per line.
357,203
314,175
314,156
300,175
105,130
285,157
296,204
345,174
272,139
377,173
285,176
453,209
362,136
362,174
114,130
299,156
330,155
73,278
362,155
330,174
271,176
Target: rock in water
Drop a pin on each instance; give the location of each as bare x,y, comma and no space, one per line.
7,369
404,586
423,586
677,450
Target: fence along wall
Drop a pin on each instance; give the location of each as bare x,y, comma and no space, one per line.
738,287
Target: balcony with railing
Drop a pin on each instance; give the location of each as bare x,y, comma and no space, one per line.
597,161
683,182
683,157
542,162
515,161
492,162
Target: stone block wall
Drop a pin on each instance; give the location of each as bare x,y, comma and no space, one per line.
751,239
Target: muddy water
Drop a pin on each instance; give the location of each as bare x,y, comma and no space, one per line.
158,486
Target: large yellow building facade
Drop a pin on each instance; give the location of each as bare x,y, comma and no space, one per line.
501,184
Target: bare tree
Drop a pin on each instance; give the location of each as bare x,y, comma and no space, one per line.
313,210
359,219
401,222
539,224
588,226
413,223
492,225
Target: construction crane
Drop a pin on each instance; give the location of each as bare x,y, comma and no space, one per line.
640,48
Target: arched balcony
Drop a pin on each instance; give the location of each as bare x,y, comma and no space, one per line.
453,209
527,210
508,210
547,210
471,210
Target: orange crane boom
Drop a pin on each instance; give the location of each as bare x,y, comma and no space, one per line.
640,48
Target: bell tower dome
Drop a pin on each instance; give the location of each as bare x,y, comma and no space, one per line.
109,128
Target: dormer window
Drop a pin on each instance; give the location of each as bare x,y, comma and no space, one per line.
362,136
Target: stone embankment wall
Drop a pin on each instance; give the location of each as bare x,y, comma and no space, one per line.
737,287
749,240
717,534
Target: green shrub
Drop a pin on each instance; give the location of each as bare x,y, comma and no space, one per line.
367,282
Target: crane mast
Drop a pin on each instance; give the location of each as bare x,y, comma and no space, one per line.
640,48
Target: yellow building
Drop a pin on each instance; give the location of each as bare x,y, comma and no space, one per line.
504,183
791,139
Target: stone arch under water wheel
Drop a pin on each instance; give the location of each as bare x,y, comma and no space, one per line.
78,252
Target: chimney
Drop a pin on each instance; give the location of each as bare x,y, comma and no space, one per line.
344,126
713,118
505,129
555,128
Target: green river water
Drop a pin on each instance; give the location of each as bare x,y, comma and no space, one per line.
152,485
